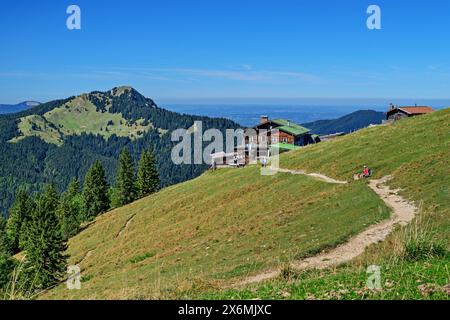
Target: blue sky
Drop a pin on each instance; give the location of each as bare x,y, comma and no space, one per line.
226,49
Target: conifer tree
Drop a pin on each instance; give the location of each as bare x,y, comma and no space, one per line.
70,210
147,177
125,188
74,188
19,215
6,263
95,192
3,242
45,262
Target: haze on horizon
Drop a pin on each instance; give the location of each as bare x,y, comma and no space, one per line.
232,51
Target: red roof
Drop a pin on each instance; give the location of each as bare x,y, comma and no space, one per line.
416,110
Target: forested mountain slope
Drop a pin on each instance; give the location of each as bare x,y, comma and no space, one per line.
348,123
58,140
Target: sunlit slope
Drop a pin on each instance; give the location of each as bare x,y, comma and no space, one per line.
78,116
415,151
231,223
225,224
413,260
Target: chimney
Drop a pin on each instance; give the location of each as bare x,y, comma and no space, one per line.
264,119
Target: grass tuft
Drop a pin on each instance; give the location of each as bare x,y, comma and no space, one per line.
142,257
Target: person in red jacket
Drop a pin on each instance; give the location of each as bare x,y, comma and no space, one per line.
366,172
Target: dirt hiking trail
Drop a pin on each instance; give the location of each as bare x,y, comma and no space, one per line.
318,176
402,213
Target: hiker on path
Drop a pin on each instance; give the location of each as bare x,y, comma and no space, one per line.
366,172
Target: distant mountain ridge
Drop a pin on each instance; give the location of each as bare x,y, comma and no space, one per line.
348,123
13,108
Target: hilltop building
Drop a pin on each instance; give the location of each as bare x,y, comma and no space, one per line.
261,139
396,112
282,133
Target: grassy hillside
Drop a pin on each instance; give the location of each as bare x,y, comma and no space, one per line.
413,261
416,151
78,116
189,239
223,225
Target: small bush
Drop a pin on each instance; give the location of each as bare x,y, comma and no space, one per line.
423,249
86,278
142,257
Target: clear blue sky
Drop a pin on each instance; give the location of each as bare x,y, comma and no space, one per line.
188,49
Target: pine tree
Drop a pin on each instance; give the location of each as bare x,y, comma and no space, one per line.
6,263
148,177
95,192
74,188
3,241
19,215
70,210
45,262
125,188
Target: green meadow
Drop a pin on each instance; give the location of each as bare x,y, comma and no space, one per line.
194,239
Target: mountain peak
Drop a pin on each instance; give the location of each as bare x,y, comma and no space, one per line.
118,91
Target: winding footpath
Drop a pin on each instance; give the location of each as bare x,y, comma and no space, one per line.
402,213
313,175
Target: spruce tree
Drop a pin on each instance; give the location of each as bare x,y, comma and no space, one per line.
125,188
3,241
95,192
6,263
70,210
45,262
74,188
148,177
19,215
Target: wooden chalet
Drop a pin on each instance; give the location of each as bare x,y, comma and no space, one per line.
283,132
261,139
397,113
